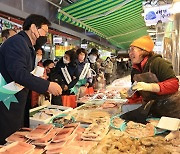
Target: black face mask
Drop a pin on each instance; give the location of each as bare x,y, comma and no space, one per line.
41,40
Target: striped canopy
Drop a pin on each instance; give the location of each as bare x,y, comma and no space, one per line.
118,21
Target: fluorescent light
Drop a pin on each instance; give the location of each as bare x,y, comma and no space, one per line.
152,33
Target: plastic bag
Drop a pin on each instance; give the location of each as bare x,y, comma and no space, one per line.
138,115
42,100
89,91
69,100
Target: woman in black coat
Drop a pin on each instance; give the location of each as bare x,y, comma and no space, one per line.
67,69
65,74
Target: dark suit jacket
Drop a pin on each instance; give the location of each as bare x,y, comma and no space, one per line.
16,62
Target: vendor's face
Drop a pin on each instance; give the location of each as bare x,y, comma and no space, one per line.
135,54
81,57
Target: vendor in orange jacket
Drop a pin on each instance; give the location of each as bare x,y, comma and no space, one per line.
144,60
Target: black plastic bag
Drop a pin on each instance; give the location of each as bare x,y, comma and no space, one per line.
140,114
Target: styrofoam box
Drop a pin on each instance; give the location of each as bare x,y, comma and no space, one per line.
168,123
34,121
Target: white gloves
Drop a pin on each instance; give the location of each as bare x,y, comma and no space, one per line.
142,86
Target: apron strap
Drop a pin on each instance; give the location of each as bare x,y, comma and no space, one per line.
66,75
84,71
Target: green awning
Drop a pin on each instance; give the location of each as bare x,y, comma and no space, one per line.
118,21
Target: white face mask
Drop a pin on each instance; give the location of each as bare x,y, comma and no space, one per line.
65,61
37,60
92,58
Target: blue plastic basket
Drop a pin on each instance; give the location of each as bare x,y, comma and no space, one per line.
157,130
124,125
111,121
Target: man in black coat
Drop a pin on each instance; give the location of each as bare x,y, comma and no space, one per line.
17,56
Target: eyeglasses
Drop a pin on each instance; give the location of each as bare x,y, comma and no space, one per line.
46,33
131,49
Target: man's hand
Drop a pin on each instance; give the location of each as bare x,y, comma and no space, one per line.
142,86
55,89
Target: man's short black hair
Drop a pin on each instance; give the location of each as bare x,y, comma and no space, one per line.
5,33
36,19
47,62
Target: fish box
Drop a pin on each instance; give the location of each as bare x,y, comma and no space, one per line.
43,114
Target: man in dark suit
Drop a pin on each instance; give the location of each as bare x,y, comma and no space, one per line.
17,56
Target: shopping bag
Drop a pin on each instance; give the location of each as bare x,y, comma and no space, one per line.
34,99
89,91
42,100
69,100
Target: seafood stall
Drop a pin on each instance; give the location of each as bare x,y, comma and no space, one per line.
101,135
95,128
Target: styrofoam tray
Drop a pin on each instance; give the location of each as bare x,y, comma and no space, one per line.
34,121
99,94
169,123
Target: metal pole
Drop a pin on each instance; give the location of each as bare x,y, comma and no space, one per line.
22,5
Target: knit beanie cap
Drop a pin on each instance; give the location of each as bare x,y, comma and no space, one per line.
144,42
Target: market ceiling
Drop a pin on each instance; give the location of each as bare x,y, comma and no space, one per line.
118,21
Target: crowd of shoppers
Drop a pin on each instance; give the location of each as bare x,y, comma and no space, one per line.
77,64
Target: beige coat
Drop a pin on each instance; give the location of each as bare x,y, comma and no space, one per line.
109,67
